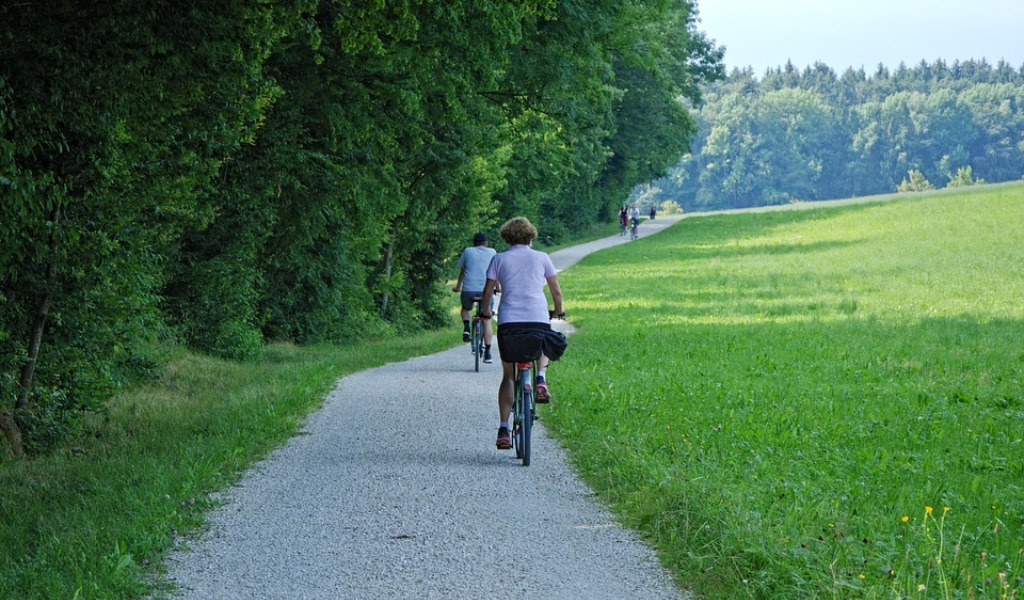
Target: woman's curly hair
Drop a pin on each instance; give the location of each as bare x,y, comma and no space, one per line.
518,230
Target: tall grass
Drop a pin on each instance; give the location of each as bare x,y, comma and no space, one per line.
92,521
821,403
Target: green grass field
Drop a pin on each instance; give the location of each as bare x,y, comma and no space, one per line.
816,403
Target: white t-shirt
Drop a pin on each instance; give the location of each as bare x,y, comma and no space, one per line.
522,273
475,260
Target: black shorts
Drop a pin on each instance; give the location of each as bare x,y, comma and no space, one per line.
468,299
513,346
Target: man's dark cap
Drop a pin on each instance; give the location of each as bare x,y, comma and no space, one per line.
479,237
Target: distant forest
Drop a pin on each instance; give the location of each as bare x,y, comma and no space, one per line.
810,135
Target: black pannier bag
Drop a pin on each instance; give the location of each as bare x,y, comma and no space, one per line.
526,344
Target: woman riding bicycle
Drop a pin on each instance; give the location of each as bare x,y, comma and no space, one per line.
521,273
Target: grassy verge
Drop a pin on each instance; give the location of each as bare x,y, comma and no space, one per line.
821,403
89,522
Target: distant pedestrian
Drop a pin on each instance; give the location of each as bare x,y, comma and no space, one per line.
652,212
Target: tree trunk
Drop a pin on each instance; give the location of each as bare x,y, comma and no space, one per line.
13,434
8,423
387,277
29,370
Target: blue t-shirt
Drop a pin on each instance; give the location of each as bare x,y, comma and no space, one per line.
522,273
475,260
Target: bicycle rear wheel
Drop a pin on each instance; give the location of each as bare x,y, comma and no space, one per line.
527,427
478,344
517,421
522,415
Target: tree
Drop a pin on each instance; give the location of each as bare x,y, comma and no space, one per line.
997,110
106,158
653,125
963,178
769,149
915,182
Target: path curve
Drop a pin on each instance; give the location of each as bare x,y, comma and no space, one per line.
395,490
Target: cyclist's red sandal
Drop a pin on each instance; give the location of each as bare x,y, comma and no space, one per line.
504,439
543,395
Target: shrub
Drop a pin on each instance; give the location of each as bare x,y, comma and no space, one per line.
916,183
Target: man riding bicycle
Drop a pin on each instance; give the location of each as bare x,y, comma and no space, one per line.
472,277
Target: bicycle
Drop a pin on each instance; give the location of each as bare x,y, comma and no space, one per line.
524,403
622,228
633,234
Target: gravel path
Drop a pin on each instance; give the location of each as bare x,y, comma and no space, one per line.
395,490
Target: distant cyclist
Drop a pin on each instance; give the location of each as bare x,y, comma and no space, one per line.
472,276
634,216
520,273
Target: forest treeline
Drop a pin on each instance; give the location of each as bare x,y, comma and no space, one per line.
226,174
794,135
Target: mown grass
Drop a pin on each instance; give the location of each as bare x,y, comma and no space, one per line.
93,521
811,404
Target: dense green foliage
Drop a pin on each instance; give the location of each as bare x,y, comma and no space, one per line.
233,173
813,135
821,403
115,119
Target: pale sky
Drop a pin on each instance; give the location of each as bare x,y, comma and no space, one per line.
863,33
